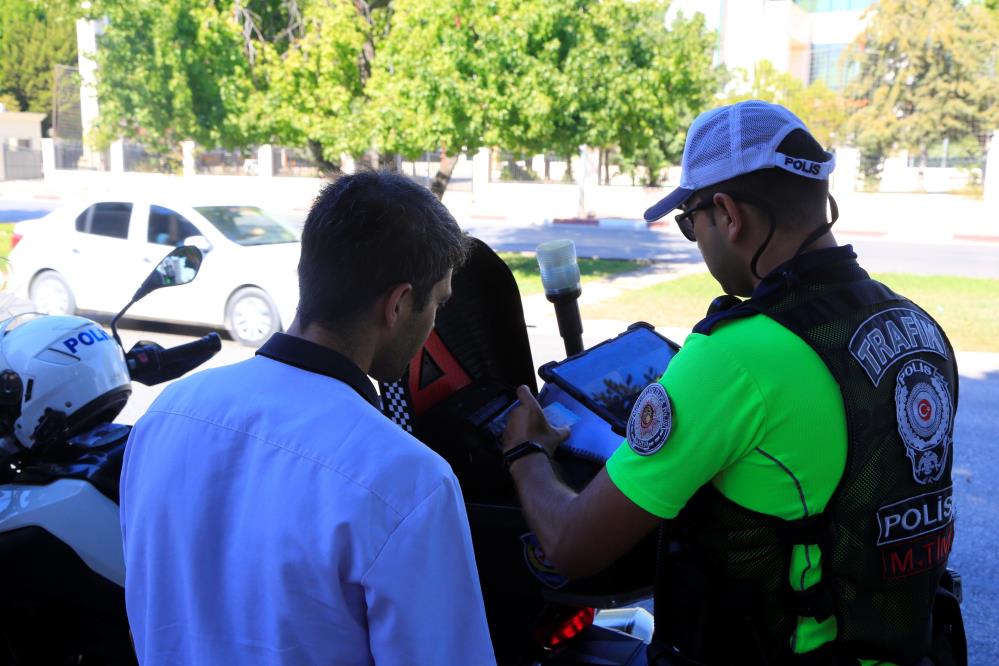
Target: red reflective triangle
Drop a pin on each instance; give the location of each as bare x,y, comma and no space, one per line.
451,378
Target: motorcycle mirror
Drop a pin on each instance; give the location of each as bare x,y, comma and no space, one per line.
177,268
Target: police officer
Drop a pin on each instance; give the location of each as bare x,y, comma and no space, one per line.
799,446
270,513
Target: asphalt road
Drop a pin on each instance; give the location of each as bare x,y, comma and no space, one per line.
14,211
961,259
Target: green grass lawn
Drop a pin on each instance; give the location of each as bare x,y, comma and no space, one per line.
528,275
966,308
6,231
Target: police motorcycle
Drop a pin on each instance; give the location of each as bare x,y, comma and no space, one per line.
63,379
455,397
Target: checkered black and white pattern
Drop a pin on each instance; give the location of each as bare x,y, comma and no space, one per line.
395,406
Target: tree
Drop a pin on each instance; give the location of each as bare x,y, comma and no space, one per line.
538,77
310,90
172,70
640,84
238,72
404,77
824,111
35,36
428,83
926,73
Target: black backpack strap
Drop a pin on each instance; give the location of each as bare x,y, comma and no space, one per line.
815,601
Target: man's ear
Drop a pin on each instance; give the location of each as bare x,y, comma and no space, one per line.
394,302
733,221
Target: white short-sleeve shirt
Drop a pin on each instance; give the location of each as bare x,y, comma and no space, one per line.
272,515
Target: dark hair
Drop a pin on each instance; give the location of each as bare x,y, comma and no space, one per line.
796,201
367,232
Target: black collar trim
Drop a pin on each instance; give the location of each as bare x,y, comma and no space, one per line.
832,264
309,356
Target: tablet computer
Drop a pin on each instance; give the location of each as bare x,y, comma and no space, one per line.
600,386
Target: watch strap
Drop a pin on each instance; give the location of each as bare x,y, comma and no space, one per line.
523,449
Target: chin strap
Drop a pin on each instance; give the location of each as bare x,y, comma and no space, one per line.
766,241
809,239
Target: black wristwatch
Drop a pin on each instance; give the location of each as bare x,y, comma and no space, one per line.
521,450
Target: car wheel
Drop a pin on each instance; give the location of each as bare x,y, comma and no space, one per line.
51,295
251,317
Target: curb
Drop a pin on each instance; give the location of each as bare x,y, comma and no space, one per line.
976,238
603,222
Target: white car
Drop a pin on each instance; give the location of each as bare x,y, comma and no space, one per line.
94,254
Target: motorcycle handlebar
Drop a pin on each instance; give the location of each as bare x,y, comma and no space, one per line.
150,364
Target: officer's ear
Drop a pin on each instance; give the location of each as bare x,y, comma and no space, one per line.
395,303
730,217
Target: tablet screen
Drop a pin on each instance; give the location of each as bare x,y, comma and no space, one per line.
612,374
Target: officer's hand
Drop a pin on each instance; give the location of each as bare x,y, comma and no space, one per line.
527,421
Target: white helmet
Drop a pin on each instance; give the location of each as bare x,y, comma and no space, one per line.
58,375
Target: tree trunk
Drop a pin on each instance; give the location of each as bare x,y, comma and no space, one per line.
371,159
443,176
548,168
367,54
568,167
392,162
326,167
923,159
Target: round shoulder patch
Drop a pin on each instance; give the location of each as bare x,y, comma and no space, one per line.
925,418
651,420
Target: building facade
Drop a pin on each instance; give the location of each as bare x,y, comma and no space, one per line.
805,38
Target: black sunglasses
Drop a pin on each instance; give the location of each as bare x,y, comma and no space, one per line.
685,220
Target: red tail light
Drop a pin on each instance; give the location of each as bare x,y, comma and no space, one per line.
564,626
14,240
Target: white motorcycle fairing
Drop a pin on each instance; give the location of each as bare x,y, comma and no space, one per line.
74,512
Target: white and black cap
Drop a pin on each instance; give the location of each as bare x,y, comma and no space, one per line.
734,140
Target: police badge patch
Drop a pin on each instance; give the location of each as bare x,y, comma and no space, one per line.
538,564
651,420
925,416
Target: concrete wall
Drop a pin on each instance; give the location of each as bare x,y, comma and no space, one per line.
17,126
898,176
836,27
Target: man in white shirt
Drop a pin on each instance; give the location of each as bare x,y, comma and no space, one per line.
270,513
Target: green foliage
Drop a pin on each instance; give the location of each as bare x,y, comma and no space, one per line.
639,84
926,71
428,79
822,110
406,76
6,236
172,70
35,36
311,93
